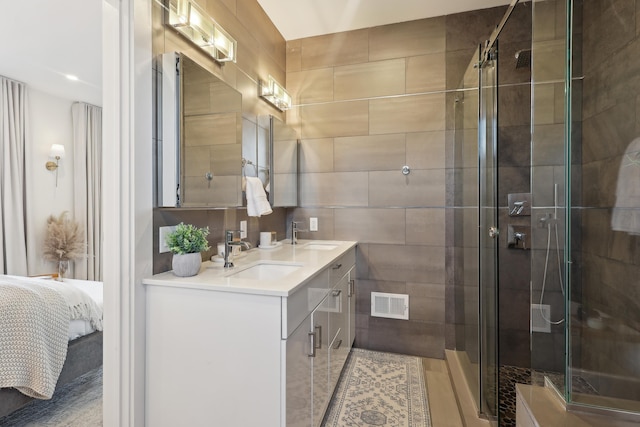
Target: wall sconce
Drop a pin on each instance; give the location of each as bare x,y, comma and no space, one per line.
275,94
193,23
57,152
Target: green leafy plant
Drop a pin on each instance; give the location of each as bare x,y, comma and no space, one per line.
188,239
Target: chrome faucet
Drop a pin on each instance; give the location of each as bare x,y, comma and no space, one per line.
294,232
228,244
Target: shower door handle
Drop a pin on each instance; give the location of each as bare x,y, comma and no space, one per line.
493,232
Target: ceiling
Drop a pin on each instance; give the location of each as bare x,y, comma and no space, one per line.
44,40
305,18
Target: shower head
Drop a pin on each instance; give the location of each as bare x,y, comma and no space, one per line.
523,58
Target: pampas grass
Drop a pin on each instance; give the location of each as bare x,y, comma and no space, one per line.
65,239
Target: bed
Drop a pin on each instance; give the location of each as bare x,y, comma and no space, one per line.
64,321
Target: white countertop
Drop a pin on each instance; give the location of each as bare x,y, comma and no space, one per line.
213,276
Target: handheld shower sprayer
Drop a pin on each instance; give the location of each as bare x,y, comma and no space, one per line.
548,221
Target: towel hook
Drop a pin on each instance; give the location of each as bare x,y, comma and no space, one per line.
406,170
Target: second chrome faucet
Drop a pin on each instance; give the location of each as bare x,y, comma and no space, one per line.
294,232
229,243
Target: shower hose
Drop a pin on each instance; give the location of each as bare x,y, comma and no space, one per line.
546,265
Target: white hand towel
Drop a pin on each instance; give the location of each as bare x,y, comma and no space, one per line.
257,203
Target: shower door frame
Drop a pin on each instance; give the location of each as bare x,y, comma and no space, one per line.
489,322
488,231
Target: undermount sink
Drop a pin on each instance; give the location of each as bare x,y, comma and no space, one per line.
318,246
266,271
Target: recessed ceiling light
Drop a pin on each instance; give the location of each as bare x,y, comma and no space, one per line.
72,77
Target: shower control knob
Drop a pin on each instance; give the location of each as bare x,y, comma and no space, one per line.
493,232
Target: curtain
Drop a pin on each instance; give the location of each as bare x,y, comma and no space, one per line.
87,154
13,136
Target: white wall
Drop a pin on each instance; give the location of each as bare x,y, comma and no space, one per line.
49,123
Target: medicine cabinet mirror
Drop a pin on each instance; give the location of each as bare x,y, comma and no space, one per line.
270,152
200,162
283,156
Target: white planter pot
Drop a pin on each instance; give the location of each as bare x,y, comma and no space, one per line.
186,265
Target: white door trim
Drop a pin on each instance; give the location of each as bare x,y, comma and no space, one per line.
128,204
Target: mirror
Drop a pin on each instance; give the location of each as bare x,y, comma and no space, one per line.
270,152
283,156
202,137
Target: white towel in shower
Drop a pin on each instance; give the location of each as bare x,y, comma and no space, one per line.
626,212
257,203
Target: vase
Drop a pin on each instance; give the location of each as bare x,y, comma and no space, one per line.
187,264
63,266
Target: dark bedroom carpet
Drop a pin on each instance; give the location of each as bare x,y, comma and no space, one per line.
76,404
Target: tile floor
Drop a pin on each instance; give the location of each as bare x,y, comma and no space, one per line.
442,400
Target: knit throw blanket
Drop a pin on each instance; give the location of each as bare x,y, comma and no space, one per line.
34,324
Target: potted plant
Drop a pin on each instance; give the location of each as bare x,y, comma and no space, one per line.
64,242
185,243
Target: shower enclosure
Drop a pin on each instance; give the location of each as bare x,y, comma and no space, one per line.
548,116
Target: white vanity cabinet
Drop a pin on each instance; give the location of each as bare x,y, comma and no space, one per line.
242,353
326,331
340,314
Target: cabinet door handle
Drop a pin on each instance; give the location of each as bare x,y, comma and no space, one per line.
352,287
337,345
312,338
337,266
318,339
336,293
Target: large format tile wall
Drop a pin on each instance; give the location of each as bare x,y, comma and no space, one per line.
368,102
261,52
611,259
514,176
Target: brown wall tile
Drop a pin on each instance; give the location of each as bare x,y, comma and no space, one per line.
406,263
426,150
316,155
334,189
412,38
426,73
407,114
294,55
368,153
423,188
311,86
425,227
336,119
325,223
371,225
370,79
335,49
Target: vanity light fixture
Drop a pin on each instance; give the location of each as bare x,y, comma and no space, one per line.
275,94
57,152
192,22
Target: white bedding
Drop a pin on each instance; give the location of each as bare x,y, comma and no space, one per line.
79,327
34,328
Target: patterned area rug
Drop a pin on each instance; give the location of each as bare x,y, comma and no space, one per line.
380,389
76,404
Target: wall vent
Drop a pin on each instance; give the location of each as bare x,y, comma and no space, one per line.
539,315
393,306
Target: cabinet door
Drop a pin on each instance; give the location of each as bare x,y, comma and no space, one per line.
299,390
320,363
339,327
351,316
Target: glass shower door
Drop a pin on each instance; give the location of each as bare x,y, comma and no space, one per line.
488,263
